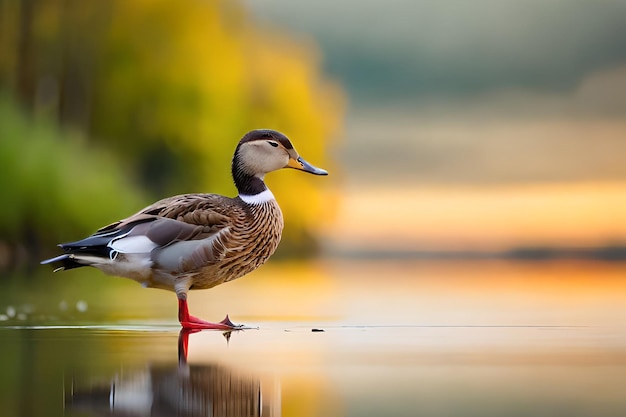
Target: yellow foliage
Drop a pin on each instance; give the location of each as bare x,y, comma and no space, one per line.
203,75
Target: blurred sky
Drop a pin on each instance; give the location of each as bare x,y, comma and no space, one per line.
482,124
473,92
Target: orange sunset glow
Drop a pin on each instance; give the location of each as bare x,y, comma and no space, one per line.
482,218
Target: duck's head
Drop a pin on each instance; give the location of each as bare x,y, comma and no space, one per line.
262,151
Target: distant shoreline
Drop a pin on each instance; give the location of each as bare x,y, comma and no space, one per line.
615,253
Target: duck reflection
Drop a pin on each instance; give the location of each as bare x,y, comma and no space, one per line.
179,390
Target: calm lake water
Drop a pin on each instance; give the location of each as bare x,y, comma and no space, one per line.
333,339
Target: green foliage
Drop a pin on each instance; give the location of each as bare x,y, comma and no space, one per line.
55,186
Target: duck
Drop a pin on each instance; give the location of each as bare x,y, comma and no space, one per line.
197,241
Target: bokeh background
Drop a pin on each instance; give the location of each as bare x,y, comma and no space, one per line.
489,126
450,128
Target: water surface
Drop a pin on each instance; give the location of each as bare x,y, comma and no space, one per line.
340,339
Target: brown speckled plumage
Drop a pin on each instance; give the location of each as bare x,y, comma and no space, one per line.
243,237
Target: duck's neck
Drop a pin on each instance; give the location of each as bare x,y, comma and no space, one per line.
251,188
249,184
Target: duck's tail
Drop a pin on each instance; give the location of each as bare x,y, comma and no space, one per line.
63,262
77,259
90,251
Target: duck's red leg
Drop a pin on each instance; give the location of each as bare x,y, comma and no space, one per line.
193,323
183,344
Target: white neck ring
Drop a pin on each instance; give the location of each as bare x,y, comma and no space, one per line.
260,198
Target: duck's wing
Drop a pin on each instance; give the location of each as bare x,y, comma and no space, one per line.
178,234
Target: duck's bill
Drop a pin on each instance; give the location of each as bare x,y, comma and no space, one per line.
303,165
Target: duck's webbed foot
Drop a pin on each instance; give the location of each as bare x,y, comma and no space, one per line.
194,323
190,322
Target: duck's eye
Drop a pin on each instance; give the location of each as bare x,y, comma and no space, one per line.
274,144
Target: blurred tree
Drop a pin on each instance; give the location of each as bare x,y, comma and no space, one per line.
170,88
54,187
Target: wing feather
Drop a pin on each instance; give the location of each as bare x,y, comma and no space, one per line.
190,231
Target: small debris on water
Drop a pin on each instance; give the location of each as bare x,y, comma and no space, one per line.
317,330
11,311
